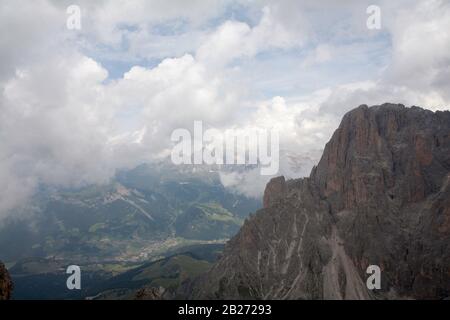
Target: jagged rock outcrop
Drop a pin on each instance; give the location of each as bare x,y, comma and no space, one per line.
275,191
6,285
380,195
151,293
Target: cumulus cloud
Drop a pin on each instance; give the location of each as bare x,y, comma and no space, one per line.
49,134
417,70
235,39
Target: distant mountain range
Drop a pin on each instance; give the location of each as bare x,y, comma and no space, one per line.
138,216
142,216
380,195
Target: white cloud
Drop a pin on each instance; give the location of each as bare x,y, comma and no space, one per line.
418,69
108,21
303,129
322,53
49,132
234,39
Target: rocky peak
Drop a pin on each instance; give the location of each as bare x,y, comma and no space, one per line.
275,190
6,285
385,150
380,196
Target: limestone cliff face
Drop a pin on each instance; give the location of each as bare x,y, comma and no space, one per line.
380,195
275,191
5,283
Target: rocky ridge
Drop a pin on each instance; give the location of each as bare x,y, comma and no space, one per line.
380,195
6,285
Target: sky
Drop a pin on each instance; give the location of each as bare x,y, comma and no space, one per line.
78,104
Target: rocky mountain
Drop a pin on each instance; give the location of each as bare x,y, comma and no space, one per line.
380,195
6,285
